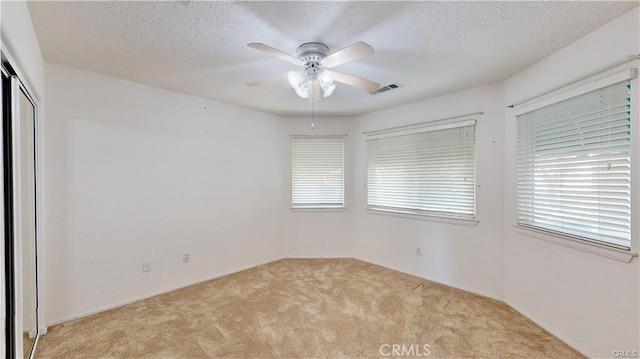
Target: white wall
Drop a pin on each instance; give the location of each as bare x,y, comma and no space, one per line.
138,173
470,258
319,233
19,37
588,301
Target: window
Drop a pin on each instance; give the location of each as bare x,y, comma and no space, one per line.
317,172
429,172
574,166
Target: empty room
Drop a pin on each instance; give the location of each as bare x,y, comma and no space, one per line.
320,179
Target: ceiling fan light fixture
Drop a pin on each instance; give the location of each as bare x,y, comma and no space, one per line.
303,92
303,89
326,78
299,83
326,82
295,78
328,90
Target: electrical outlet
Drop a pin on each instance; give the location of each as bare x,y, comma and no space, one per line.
186,258
146,266
418,251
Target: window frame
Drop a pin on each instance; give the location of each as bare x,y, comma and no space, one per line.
423,127
317,207
575,88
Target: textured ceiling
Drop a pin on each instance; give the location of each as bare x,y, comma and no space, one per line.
199,48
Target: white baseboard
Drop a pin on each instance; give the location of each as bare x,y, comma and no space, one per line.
514,307
171,289
415,274
44,328
158,292
546,327
240,269
342,256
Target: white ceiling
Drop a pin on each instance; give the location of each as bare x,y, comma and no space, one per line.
199,48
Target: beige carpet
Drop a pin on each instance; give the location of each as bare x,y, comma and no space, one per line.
307,308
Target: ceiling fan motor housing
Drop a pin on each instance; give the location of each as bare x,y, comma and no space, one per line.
311,55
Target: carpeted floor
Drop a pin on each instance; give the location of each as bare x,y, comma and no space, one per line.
307,308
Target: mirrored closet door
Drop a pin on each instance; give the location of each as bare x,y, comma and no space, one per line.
28,221
20,214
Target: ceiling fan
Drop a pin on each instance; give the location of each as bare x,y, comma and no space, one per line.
316,60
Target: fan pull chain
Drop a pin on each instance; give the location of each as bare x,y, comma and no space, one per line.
313,97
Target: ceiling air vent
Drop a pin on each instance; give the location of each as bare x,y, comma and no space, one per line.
386,88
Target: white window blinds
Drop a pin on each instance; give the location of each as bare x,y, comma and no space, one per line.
317,172
424,173
574,168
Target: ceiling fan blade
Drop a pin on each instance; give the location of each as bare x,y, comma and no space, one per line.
274,52
356,81
353,52
267,80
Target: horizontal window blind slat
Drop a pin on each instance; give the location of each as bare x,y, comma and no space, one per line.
469,215
415,197
574,122
592,203
600,115
608,216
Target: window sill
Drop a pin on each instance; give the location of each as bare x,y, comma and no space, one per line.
318,209
447,220
602,250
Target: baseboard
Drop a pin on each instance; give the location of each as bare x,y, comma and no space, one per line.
522,312
546,327
319,257
171,289
421,276
240,269
159,292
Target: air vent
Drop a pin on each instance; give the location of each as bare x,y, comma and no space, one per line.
386,88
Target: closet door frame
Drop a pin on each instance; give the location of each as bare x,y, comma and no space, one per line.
6,348
14,300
